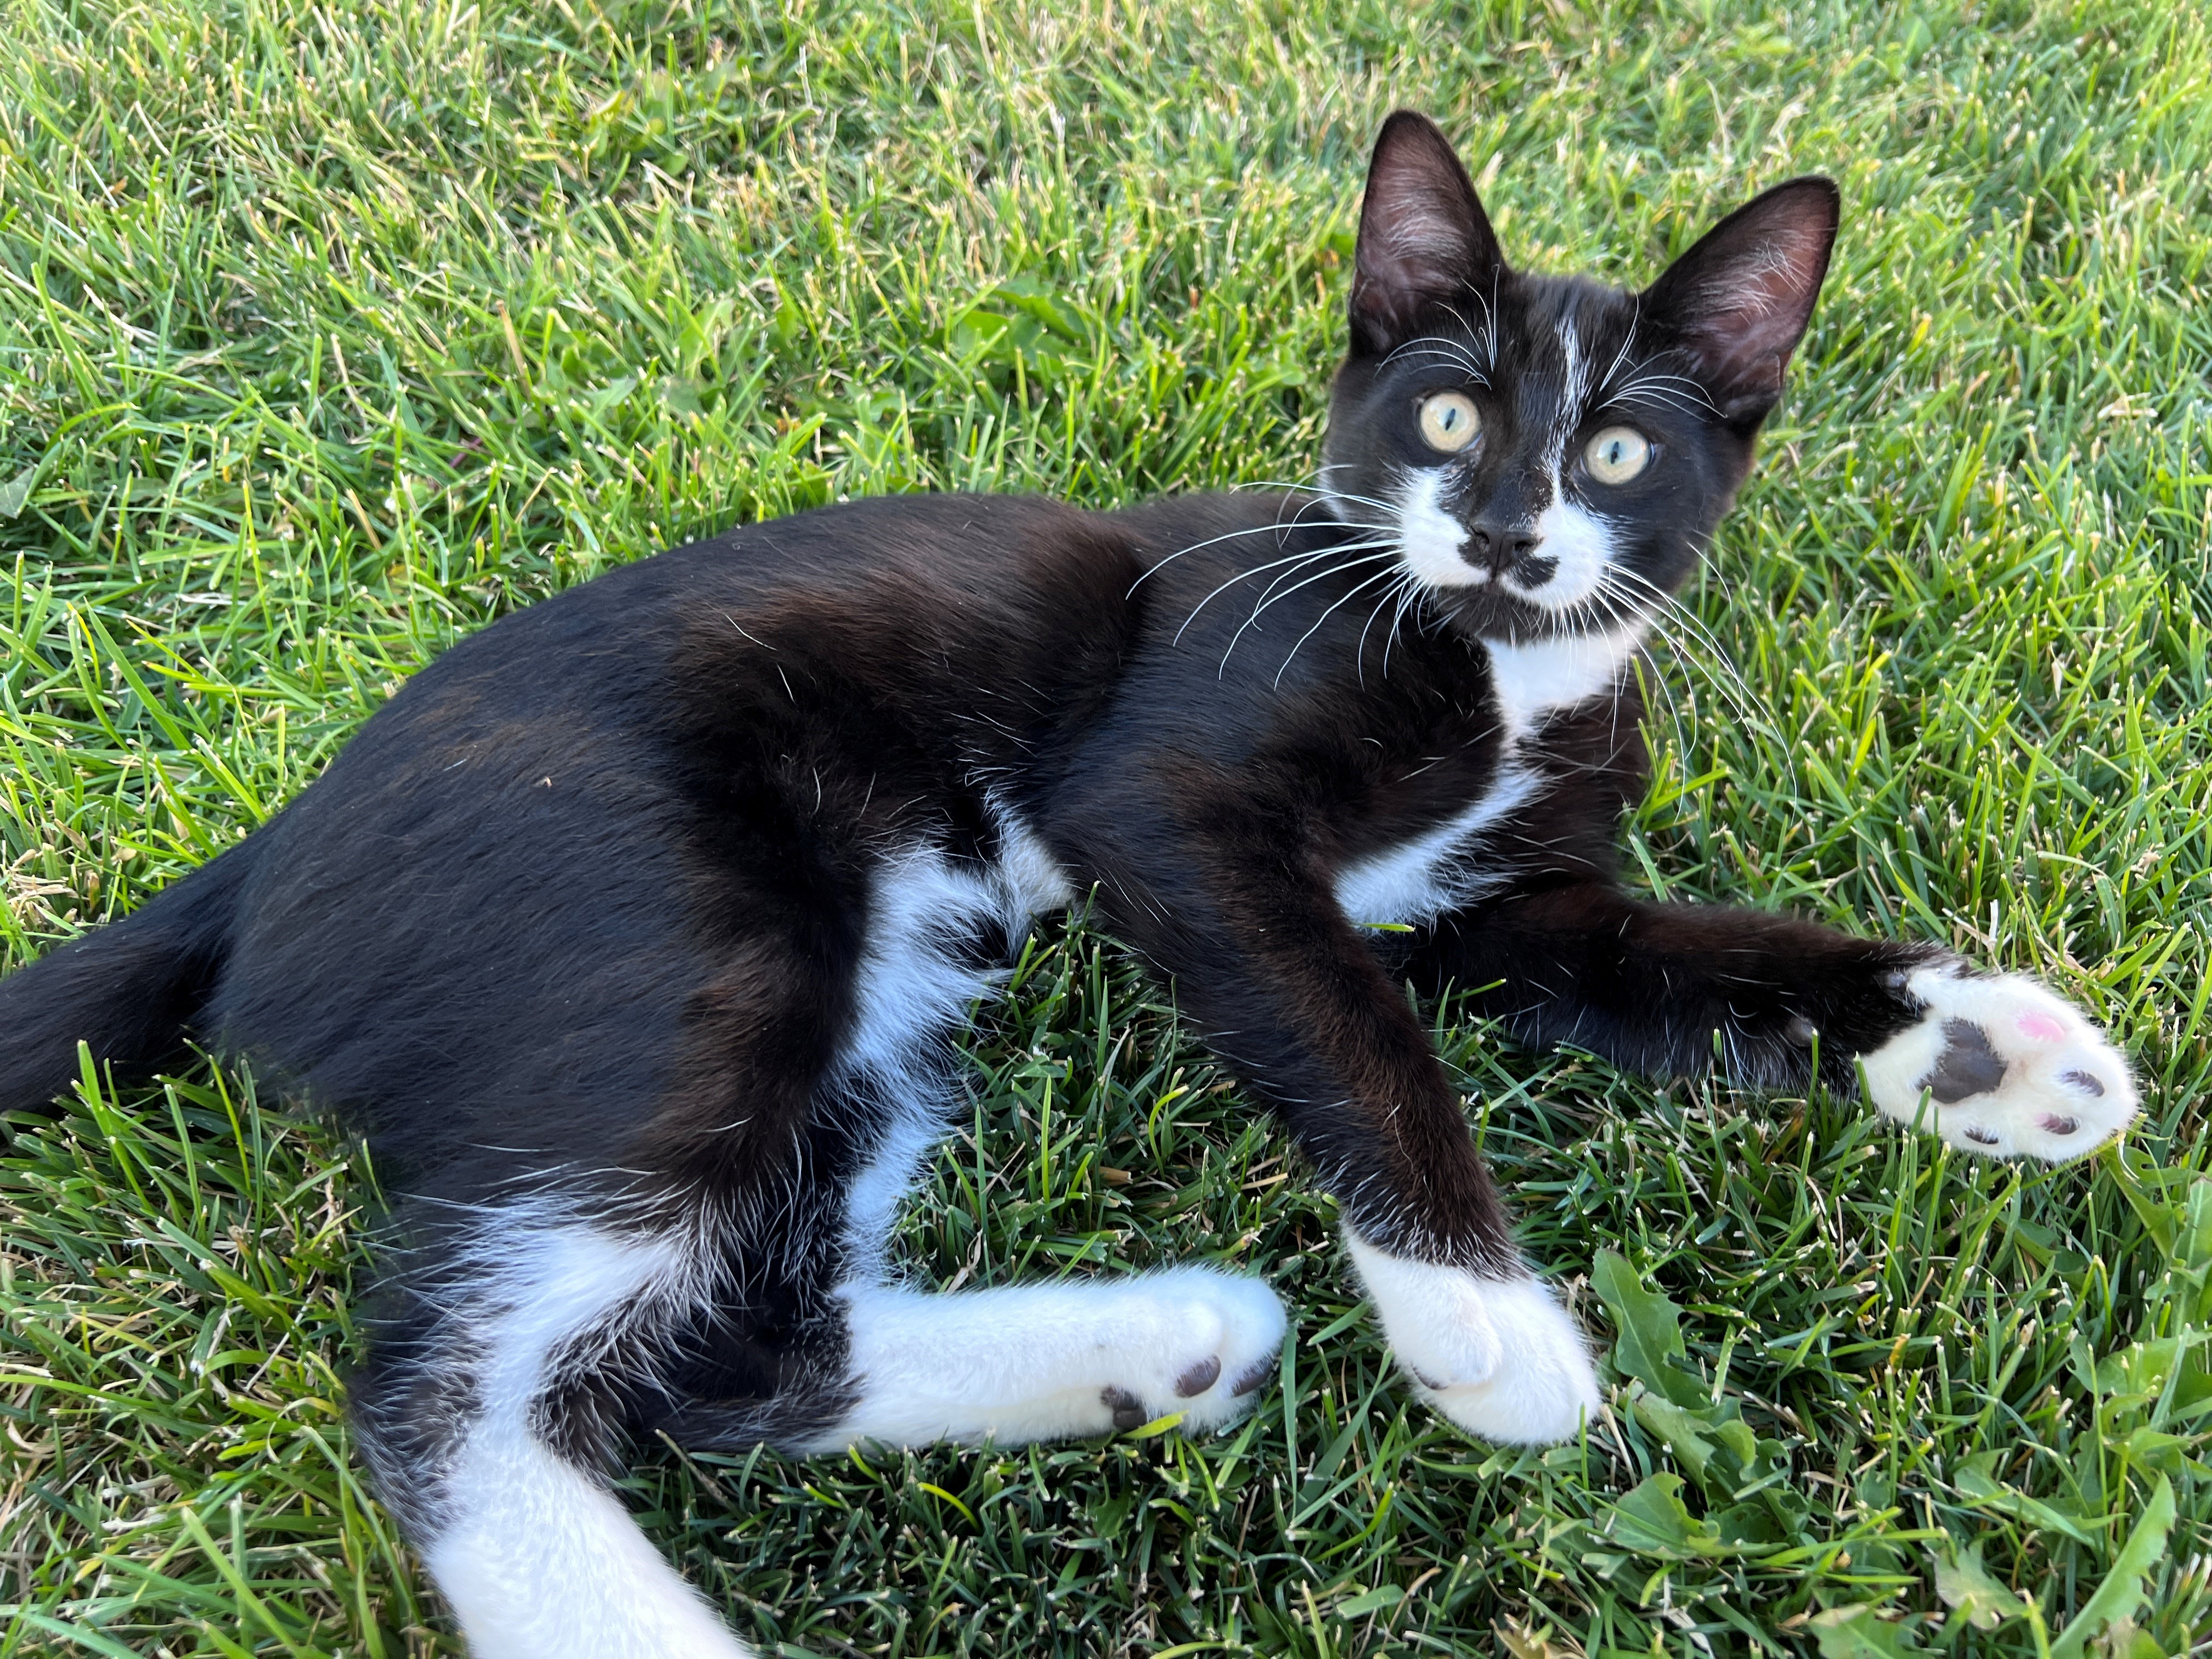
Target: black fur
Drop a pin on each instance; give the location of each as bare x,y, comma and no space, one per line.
577,918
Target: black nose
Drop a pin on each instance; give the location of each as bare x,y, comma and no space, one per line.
1497,547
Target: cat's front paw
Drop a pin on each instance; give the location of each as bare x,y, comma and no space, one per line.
1499,1357
2008,1068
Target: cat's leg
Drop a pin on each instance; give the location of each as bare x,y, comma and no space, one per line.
1292,996
1023,1362
1495,1352
1042,1362
482,1416
1994,1063
1020,1363
1997,1065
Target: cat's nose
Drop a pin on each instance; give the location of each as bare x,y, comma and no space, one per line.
1497,547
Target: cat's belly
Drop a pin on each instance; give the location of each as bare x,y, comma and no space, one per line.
1435,872
937,929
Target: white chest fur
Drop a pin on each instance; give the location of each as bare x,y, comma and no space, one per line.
1436,872
1532,680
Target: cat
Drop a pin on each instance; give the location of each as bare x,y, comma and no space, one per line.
634,932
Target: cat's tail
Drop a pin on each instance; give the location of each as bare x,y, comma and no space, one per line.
131,990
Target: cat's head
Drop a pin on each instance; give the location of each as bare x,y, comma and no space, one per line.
1548,455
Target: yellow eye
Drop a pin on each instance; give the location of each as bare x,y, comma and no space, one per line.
1449,421
1617,454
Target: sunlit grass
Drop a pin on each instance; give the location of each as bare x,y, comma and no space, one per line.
328,336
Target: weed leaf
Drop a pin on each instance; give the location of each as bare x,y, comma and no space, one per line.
1858,1632
1650,1332
1964,1585
2122,1592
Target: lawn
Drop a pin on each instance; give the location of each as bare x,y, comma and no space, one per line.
328,335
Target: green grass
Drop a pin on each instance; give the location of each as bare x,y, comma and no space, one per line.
328,336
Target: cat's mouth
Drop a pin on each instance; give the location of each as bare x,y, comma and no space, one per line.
1546,573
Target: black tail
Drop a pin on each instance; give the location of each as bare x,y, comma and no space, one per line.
130,989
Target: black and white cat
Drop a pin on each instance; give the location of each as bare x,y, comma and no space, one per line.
636,930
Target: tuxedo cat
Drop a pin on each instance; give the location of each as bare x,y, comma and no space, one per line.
635,931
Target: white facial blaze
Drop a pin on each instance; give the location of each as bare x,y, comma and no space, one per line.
1574,389
1566,568
1431,542
1578,540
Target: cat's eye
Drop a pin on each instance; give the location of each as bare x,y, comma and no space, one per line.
1617,454
1449,421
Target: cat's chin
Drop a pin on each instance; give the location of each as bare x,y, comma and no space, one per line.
1493,617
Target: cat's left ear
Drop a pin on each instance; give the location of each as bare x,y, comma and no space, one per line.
1738,302
1424,238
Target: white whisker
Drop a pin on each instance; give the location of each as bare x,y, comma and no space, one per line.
1294,558
1668,614
1381,575
1628,344
1265,601
1396,590
1437,346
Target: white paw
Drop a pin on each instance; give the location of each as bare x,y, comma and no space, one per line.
2008,1067
1500,1358
1043,1362
1194,1341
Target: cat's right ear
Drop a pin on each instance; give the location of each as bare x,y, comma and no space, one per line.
1424,237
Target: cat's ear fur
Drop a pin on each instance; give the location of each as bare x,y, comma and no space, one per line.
1737,303
1424,238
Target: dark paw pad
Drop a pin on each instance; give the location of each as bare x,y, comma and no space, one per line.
1199,1378
1127,1412
2083,1083
1260,1371
1967,1066
1981,1137
2053,1124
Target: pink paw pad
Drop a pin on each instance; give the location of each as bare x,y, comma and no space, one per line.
2041,1027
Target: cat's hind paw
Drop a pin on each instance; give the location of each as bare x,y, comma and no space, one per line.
2008,1068
1499,1357
1210,1341
1043,1362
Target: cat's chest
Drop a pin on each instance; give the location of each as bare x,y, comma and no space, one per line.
1415,880
1452,860
1530,682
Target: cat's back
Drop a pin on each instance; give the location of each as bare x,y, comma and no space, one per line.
589,804
900,562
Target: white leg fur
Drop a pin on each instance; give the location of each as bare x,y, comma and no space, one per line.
2042,1081
1039,1362
1500,1358
547,1566
541,1561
